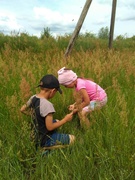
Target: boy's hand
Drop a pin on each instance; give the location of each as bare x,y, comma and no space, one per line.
68,117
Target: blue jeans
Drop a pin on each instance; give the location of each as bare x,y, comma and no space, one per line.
57,139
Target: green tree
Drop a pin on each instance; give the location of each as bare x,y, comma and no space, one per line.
103,33
46,33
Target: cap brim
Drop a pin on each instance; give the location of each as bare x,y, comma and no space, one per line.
60,91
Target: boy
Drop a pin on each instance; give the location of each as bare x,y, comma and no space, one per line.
43,111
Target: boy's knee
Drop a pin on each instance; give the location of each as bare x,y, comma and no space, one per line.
72,139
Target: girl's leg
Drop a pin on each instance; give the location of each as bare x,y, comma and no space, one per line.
95,105
84,121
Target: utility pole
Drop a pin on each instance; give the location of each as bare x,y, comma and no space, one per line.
112,23
78,27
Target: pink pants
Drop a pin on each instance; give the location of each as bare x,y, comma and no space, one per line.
95,104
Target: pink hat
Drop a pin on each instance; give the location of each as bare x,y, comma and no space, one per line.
66,77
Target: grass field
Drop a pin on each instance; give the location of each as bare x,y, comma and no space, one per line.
104,152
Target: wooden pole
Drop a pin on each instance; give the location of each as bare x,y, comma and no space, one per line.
112,23
78,27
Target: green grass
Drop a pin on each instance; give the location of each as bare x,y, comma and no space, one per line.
104,152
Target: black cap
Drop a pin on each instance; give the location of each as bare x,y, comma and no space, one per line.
49,81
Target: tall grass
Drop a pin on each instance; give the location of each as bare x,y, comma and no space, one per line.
105,151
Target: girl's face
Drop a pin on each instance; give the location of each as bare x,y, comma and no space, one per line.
71,85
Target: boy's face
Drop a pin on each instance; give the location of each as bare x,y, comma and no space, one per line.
52,93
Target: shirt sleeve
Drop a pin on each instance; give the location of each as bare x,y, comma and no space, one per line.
46,108
29,102
80,84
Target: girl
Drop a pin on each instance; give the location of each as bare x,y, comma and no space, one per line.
92,95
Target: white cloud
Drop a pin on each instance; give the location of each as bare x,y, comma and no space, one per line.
52,17
9,21
62,16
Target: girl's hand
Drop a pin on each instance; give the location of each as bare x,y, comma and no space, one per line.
71,107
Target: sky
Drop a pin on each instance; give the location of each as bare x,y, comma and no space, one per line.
61,16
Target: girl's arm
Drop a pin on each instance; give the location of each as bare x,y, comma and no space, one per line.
85,97
51,126
78,106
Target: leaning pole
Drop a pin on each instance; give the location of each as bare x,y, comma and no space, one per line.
78,27
114,3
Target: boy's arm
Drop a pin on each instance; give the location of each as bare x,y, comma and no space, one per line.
51,126
24,109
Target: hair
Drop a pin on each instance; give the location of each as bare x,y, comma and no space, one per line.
46,89
67,69
86,78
